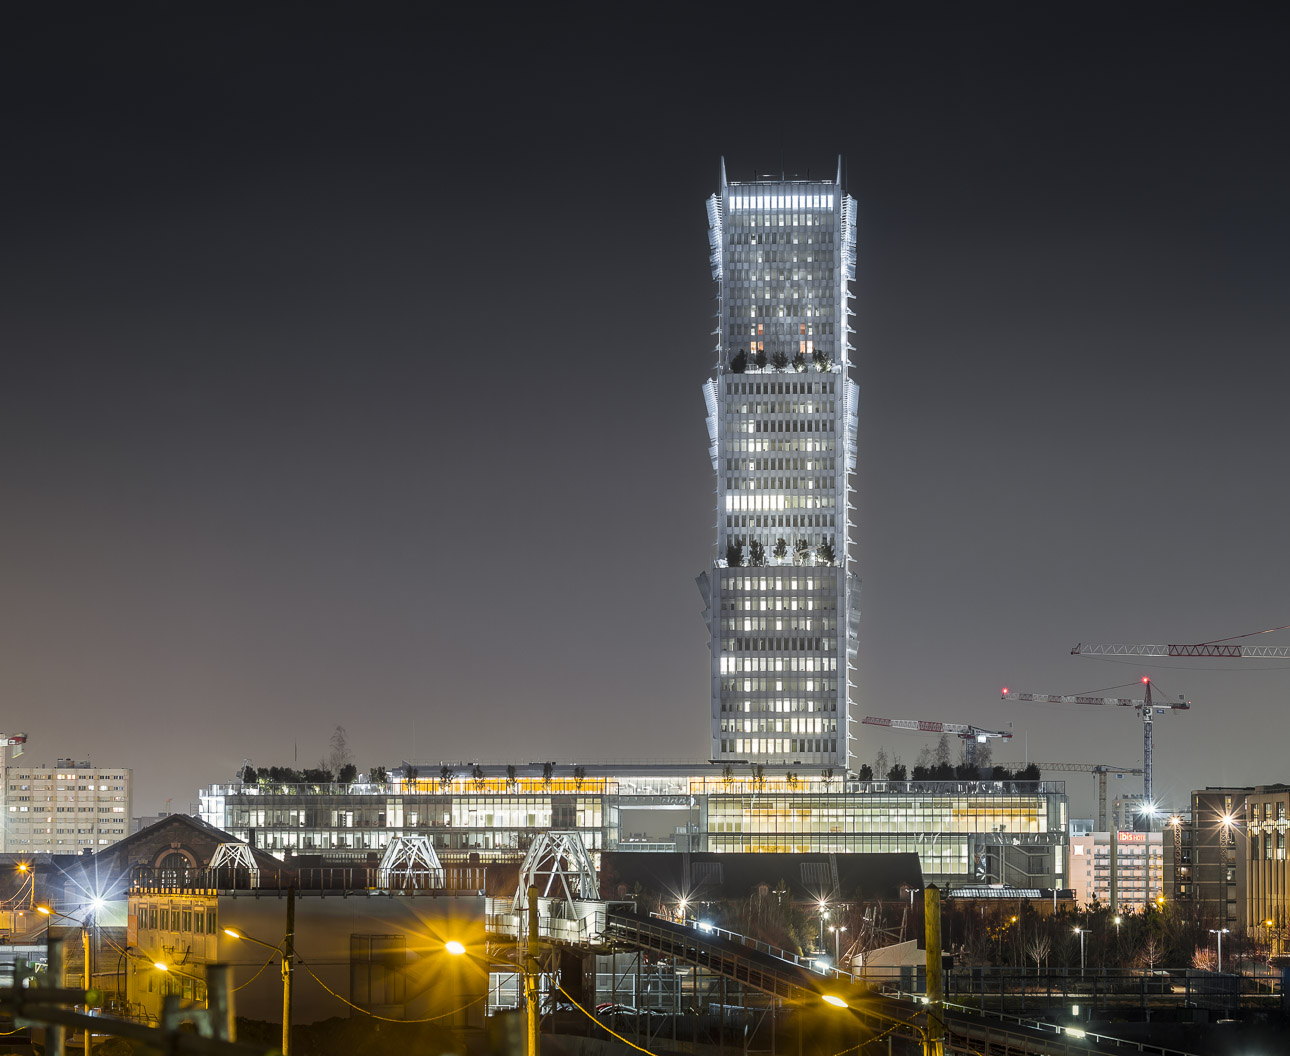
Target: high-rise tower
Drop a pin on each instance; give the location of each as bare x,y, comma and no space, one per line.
782,604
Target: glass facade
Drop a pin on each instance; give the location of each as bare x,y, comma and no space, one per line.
991,831
782,425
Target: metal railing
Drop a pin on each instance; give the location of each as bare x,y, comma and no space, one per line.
33,1000
1063,1035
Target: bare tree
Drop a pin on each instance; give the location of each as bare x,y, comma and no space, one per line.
1150,949
880,763
943,751
1037,949
1204,959
340,753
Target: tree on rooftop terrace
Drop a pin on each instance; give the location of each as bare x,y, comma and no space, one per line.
548,771
445,777
347,773
510,777
477,777
340,753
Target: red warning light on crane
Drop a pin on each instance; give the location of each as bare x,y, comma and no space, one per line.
1145,679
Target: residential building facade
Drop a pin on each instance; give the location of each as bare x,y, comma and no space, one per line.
1211,856
781,600
1267,888
67,808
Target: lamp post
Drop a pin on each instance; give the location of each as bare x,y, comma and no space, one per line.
1080,933
824,915
837,930
287,952
1220,932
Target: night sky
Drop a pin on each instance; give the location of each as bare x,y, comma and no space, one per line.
352,361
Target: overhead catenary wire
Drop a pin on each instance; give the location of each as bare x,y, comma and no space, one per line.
387,1019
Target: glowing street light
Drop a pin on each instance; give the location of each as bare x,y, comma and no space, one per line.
286,951
1080,932
454,947
835,1001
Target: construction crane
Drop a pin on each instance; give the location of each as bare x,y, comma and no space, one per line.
1218,649
1099,769
1147,709
970,735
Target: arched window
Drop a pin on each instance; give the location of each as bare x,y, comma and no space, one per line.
174,871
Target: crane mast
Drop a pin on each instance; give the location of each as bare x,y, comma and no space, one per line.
1147,709
1099,770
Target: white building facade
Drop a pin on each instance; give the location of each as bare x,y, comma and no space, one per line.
66,808
781,599
1130,862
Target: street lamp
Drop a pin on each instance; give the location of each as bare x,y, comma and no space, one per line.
824,915
286,952
1220,932
1080,933
837,930
86,925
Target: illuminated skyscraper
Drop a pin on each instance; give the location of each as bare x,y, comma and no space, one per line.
782,604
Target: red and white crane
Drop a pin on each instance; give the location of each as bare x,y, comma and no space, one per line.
1219,649
1146,708
971,735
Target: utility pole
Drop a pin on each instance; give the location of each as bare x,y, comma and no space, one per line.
88,974
934,1039
531,1020
288,955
